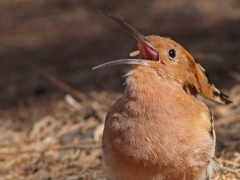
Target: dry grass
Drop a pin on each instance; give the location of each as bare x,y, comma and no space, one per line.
64,144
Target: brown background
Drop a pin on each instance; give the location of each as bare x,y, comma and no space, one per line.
66,39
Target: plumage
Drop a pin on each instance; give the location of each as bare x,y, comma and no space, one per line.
158,129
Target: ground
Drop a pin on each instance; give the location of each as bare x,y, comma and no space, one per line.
53,104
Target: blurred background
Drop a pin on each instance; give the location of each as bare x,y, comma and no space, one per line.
53,104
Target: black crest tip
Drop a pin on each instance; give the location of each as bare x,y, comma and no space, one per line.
224,98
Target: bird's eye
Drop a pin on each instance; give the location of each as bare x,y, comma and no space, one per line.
172,53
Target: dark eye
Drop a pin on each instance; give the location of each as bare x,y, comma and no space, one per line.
172,53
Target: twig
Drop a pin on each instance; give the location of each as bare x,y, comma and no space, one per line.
80,146
230,162
61,85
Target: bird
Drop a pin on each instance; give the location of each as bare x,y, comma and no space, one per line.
159,129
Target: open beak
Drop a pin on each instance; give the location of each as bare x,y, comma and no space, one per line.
147,51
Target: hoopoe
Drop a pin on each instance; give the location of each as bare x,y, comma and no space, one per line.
159,129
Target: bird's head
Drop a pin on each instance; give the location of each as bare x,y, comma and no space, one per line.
170,59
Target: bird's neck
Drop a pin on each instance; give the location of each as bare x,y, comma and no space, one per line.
146,83
148,92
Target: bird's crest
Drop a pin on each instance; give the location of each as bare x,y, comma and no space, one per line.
200,84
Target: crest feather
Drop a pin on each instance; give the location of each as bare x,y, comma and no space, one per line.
202,85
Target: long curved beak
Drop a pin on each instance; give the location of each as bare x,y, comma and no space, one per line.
147,51
123,61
